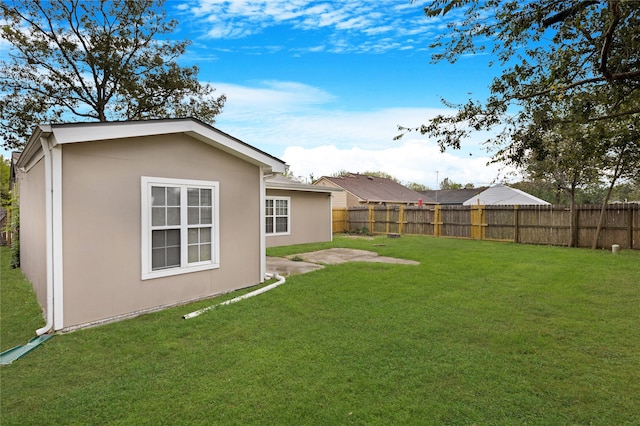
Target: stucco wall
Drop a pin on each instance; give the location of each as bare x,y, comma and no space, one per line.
339,198
310,218
102,225
33,254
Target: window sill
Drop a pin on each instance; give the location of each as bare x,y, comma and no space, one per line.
177,271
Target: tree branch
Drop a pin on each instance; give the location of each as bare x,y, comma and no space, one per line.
608,40
568,13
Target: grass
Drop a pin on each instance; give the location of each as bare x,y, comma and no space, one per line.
20,314
479,333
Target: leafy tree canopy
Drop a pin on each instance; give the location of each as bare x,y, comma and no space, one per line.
562,62
99,60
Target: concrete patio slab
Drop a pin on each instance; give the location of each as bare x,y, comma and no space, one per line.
312,261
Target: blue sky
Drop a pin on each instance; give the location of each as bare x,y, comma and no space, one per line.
324,84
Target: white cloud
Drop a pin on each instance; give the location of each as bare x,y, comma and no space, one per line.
300,124
410,161
352,25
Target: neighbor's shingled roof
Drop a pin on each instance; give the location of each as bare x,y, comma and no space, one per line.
374,189
452,196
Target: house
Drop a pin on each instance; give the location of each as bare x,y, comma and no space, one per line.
297,213
452,197
123,218
504,195
362,190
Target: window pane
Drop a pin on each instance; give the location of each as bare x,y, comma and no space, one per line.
205,215
193,197
193,254
205,235
281,224
205,252
173,196
158,258
173,215
194,215
165,251
269,225
269,208
158,239
157,196
193,236
158,216
173,257
173,237
205,197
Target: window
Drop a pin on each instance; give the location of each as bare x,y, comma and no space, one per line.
179,226
277,215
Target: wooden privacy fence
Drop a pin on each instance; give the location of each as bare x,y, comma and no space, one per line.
521,224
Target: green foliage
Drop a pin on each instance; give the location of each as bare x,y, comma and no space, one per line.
5,171
418,187
449,184
479,332
384,175
94,60
568,70
15,232
380,175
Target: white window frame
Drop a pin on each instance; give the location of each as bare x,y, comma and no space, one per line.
185,267
274,216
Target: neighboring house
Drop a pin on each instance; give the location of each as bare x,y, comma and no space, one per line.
452,197
296,213
123,218
362,190
504,195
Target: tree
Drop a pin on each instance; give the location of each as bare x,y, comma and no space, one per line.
5,169
548,50
587,52
564,64
418,187
449,184
98,60
381,174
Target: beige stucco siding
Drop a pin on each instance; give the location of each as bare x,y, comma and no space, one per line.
310,218
33,254
338,198
102,224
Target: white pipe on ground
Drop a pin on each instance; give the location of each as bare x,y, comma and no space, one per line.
264,289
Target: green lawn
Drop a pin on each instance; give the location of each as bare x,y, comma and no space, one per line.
480,333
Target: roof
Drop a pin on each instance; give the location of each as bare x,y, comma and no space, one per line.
285,183
452,196
89,132
373,189
504,195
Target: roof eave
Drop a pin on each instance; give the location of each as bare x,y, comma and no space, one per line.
301,187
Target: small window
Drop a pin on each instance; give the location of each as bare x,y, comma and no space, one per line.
277,214
179,226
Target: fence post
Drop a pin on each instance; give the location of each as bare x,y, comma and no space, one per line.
387,220
371,219
516,224
437,221
630,227
401,221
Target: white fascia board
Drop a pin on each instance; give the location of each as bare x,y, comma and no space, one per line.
72,133
33,147
302,188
